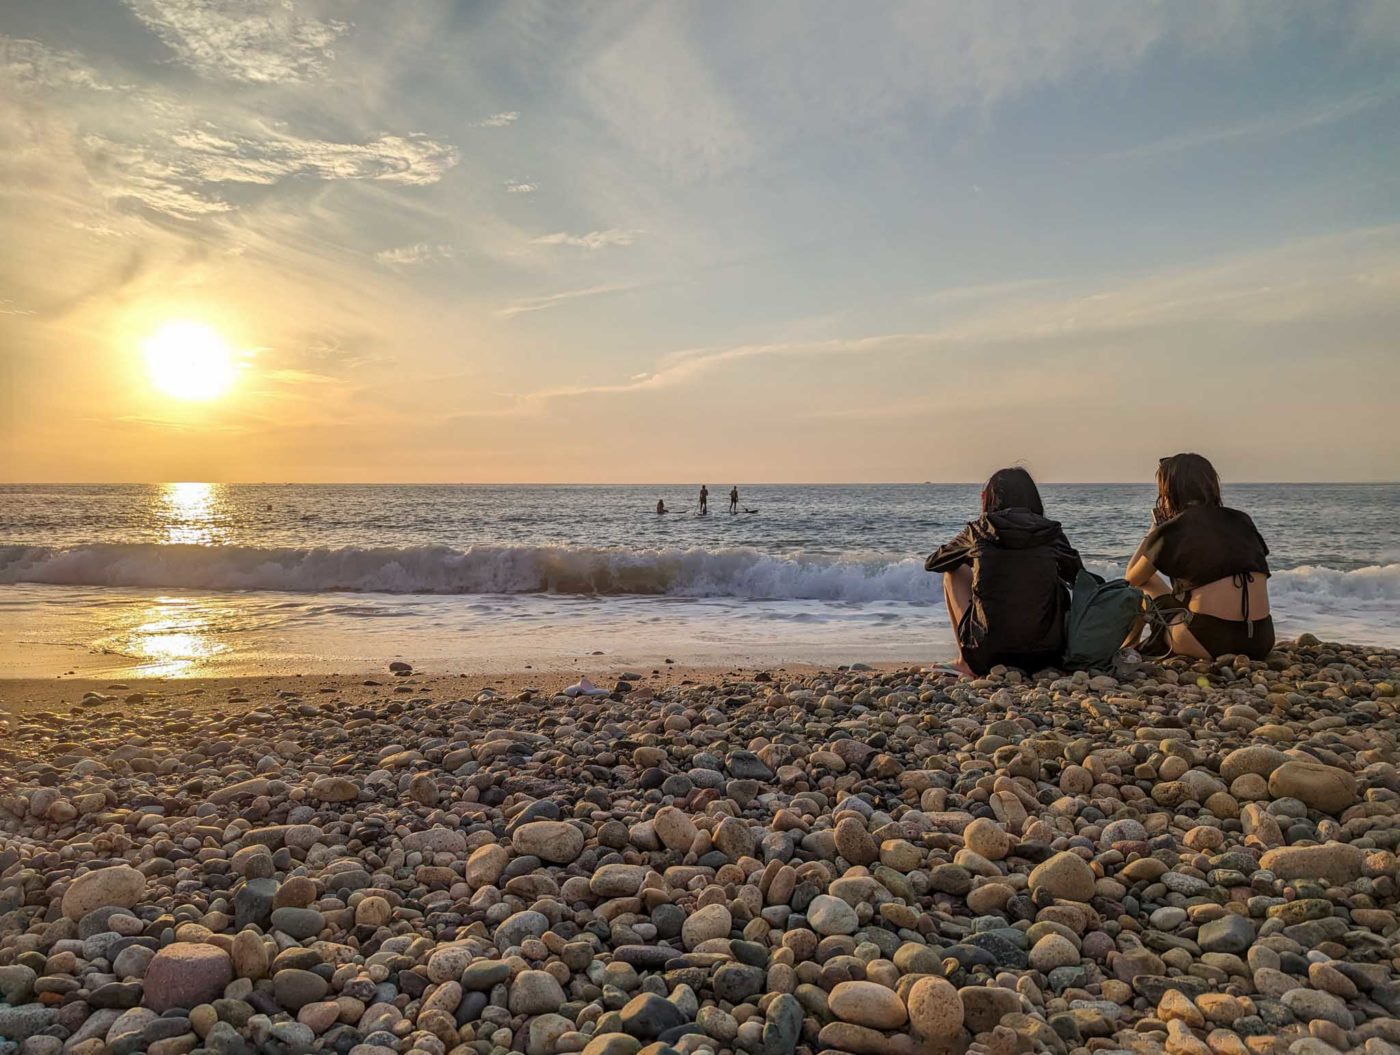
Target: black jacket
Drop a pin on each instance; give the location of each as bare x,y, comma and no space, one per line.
1021,565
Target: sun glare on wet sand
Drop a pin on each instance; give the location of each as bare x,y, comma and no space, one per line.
189,361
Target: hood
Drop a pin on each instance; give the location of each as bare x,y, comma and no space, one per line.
1016,529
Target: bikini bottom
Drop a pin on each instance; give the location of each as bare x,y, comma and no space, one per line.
1220,637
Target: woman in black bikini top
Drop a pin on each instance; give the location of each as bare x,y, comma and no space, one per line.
1217,601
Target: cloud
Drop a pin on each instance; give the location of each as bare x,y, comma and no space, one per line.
499,120
173,156
252,41
407,255
591,240
699,104
1274,126
200,426
517,187
553,300
1353,277
8,307
177,174
32,66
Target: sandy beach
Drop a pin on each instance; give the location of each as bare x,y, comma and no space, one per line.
1196,858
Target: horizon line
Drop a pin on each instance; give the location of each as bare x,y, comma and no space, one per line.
655,483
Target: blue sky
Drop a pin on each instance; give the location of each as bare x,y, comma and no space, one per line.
779,241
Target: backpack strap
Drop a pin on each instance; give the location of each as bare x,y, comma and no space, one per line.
1158,621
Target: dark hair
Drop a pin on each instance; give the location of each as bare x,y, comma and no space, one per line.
1185,480
1011,489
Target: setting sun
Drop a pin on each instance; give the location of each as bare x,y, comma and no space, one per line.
188,360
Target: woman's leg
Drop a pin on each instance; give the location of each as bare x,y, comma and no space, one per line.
1179,636
957,593
1155,587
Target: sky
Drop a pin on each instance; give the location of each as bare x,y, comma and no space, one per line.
780,241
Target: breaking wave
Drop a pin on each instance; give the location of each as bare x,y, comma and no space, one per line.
743,573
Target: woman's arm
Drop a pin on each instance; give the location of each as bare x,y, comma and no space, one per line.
1140,568
953,554
1068,563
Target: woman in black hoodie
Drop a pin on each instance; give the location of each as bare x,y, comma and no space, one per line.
1006,577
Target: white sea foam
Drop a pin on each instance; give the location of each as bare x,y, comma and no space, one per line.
741,573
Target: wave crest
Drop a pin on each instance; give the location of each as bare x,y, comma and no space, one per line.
742,573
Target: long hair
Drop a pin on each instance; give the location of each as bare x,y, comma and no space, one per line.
1183,481
1011,489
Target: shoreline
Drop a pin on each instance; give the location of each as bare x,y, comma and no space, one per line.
1196,858
19,695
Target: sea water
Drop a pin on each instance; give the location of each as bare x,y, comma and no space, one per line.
179,579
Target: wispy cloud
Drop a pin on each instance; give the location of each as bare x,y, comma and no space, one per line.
1273,126
197,426
499,120
591,240
32,66
984,291
408,255
553,300
254,41
174,158
8,307
520,187
179,174
1354,275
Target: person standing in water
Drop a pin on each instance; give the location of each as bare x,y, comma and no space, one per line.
734,499
660,505
704,499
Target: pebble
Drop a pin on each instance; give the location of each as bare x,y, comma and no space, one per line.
1196,857
186,974
867,1004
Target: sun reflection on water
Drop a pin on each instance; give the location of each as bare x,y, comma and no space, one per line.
193,513
171,637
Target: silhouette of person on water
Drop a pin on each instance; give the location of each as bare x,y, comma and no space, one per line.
661,505
734,499
704,499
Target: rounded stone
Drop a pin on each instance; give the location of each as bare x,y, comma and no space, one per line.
867,1004
987,838
712,921
1324,788
557,842
1051,951
294,988
120,885
935,1010
829,915
186,974
854,843
1066,876
534,993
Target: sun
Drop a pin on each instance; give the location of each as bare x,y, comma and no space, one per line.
189,360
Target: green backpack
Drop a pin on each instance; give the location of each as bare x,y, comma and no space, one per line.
1101,613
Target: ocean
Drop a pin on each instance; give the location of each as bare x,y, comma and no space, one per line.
190,578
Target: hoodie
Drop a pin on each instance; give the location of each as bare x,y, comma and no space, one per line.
1022,565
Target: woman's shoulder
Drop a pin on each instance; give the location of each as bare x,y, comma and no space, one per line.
1197,521
1237,518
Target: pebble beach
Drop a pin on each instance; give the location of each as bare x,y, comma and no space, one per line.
1190,857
